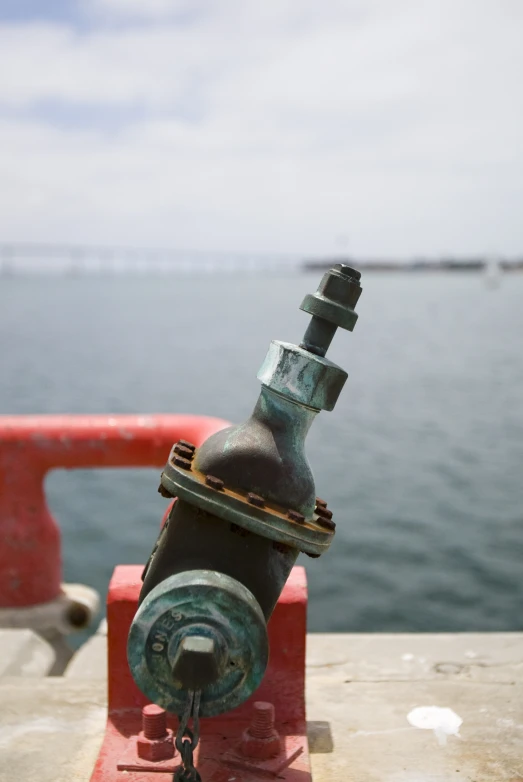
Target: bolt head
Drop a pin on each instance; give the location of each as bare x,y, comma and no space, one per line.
337,287
179,461
183,451
155,749
214,482
164,492
255,499
185,444
296,516
198,662
260,749
327,524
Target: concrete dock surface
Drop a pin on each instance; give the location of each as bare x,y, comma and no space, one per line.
380,708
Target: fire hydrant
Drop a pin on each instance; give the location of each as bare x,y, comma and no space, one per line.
246,507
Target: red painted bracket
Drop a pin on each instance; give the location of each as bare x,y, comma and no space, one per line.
218,758
31,446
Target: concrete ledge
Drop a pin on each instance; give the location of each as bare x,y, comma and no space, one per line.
360,689
90,661
24,653
412,656
50,730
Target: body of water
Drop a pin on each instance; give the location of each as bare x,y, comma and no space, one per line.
421,461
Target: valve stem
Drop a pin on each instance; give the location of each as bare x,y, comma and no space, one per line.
331,306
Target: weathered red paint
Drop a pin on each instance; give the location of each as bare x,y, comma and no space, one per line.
218,755
31,446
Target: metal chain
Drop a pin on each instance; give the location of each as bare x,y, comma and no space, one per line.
187,739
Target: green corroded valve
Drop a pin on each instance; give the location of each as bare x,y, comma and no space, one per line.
246,506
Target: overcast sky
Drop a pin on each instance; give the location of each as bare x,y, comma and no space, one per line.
384,127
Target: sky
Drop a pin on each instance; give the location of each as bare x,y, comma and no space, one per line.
378,128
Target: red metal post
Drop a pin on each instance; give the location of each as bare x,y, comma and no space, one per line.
31,446
219,756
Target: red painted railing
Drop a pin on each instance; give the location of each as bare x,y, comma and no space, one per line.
31,446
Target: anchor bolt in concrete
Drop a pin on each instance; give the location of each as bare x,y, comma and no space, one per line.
261,740
155,741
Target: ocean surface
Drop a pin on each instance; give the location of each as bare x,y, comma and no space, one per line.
421,460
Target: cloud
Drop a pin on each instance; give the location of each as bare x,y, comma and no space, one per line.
267,126
138,10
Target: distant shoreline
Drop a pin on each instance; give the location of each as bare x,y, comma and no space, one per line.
443,265
37,263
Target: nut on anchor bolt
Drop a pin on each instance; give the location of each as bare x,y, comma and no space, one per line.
261,740
155,741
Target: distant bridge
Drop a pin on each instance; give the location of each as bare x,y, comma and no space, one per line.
78,259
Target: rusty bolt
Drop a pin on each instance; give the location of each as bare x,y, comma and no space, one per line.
154,722
320,503
294,515
164,492
312,556
327,524
255,499
182,450
214,482
185,444
179,461
155,741
325,513
261,740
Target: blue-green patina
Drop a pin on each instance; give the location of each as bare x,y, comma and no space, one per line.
207,604
301,376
